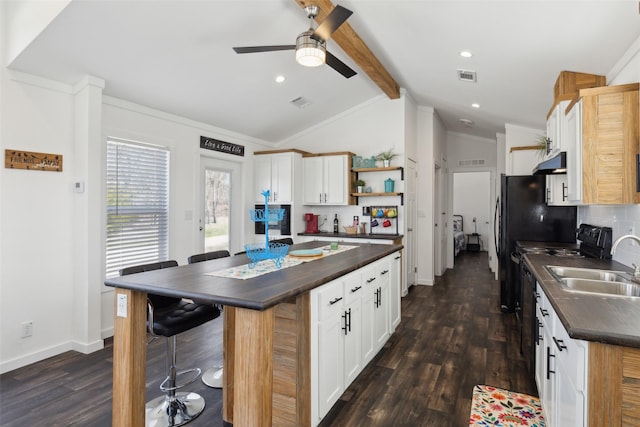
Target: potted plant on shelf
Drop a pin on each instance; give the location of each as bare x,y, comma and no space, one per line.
542,144
359,185
386,157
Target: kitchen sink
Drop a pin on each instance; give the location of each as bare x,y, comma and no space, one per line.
601,287
608,282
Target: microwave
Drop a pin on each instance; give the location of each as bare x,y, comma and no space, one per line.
276,228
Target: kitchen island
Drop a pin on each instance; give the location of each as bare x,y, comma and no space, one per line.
593,349
267,357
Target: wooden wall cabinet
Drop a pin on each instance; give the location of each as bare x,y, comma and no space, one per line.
604,146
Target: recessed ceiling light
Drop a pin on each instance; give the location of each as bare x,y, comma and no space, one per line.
279,79
466,54
475,105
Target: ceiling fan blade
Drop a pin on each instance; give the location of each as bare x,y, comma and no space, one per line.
331,23
255,49
339,66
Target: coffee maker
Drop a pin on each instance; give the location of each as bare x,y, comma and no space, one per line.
312,223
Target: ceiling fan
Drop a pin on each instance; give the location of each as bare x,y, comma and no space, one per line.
310,45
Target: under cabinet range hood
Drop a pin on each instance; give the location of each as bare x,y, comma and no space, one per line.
555,165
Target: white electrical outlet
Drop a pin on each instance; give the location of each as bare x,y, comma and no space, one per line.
27,329
121,310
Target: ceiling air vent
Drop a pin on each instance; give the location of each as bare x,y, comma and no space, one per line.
466,75
301,102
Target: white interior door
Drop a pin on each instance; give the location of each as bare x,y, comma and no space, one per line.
216,225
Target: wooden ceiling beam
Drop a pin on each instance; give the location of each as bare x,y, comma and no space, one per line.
351,43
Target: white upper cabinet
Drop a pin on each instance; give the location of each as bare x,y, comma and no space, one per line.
274,172
327,179
555,128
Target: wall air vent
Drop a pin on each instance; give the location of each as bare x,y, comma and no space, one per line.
466,75
474,162
301,102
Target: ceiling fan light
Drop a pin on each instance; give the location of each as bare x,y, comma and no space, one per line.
309,52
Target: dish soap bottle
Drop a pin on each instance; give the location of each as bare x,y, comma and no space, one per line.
335,224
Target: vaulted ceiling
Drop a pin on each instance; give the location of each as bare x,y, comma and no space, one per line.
176,56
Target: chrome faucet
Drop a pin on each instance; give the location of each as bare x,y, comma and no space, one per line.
636,272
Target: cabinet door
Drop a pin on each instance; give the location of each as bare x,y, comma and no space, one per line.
394,291
570,402
335,180
352,333
553,127
262,174
548,392
281,178
313,177
381,309
573,139
369,302
330,366
329,303
557,191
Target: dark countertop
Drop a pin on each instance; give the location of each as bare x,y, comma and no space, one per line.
258,293
353,236
591,317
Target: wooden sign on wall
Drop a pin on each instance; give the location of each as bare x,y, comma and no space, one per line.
221,146
18,159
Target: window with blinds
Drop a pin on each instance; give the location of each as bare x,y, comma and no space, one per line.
137,205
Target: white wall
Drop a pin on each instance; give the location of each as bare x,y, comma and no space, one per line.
36,273
366,130
471,198
622,219
521,162
50,270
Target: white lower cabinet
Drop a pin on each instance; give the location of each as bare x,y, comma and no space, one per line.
561,370
349,324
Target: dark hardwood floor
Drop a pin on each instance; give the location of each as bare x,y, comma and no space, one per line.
452,336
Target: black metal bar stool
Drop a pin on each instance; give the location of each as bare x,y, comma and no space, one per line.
167,317
212,377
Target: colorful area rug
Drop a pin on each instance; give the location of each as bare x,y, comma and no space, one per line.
493,406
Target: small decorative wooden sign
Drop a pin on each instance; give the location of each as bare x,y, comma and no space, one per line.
18,159
221,146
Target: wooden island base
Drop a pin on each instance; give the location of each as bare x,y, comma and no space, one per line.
270,382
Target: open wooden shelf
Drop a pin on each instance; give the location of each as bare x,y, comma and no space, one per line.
356,195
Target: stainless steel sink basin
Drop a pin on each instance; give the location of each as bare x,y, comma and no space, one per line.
588,273
601,287
607,282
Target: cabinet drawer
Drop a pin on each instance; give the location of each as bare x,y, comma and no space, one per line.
353,287
330,299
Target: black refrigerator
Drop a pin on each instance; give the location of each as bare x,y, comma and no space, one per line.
524,215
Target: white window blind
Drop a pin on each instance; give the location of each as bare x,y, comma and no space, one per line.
137,205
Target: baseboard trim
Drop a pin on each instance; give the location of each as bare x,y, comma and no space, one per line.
34,357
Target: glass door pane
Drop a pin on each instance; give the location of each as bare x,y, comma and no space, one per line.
217,207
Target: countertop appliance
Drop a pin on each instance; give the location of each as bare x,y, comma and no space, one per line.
312,223
524,215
